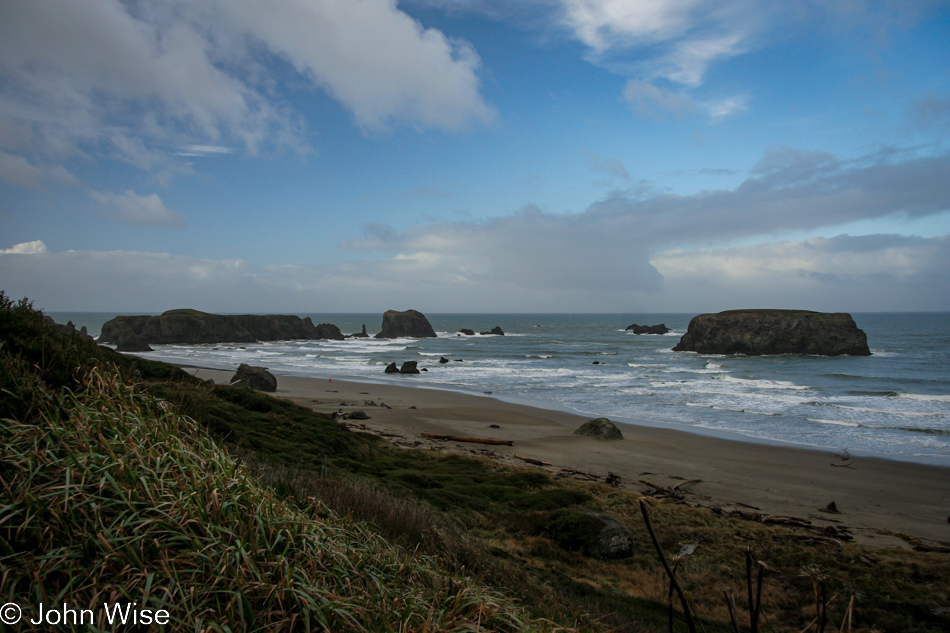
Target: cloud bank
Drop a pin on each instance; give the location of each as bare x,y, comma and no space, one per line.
624,253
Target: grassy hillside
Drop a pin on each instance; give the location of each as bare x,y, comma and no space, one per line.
127,479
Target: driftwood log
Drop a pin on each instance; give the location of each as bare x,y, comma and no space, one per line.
474,440
535,462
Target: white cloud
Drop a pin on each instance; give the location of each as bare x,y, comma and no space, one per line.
25,248
649,100
147,210
127,81
379,62
863,273
18,171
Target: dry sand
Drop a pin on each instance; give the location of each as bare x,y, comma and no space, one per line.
873,495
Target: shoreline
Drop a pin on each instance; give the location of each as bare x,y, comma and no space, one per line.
874,495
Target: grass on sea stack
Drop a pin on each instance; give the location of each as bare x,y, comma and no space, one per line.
113,496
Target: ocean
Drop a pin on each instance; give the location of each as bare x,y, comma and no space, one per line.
893,404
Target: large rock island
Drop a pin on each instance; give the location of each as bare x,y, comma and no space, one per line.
411,324
758,332
191,327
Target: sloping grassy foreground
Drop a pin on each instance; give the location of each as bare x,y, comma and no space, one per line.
115,497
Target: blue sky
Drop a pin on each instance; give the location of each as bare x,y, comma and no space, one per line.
475,155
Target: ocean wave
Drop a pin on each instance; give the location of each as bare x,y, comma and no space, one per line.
762,383
834,422
924,397
901,412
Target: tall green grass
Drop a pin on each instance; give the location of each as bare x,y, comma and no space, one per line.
116,497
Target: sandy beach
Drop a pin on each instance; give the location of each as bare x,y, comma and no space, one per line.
873,496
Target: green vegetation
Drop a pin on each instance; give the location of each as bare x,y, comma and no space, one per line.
123,479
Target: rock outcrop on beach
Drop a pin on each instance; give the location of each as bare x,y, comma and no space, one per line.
362,334
467,332
257,378
601,429
648,329
411,323
495,331
391,369
190,327
760,332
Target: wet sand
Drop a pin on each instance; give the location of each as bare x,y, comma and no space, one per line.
873,495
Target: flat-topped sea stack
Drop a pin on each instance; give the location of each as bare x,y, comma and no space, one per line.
192,327
408,324
760,332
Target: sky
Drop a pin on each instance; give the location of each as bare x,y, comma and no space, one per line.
475,155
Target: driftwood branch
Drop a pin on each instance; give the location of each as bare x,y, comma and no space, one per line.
474,440
670,492
535,462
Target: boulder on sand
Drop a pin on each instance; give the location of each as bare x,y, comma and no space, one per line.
411,323
257,378
758,332
601,429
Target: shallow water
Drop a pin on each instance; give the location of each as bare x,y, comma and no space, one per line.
895,403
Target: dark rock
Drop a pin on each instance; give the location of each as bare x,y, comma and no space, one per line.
593,534
254,378
392,369
495,331
129,341
613,541
467,332
411,323
601,429
758,332
69,328
191,327
324,331
648,329
358,415
443,360
362,334
409,367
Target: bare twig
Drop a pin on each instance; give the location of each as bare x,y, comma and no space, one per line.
691,627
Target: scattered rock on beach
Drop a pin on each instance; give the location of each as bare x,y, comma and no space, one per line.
495,331
392,369
443,360
467,332
601,429
257,378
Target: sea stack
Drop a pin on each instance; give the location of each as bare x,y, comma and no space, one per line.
411,323
761,332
